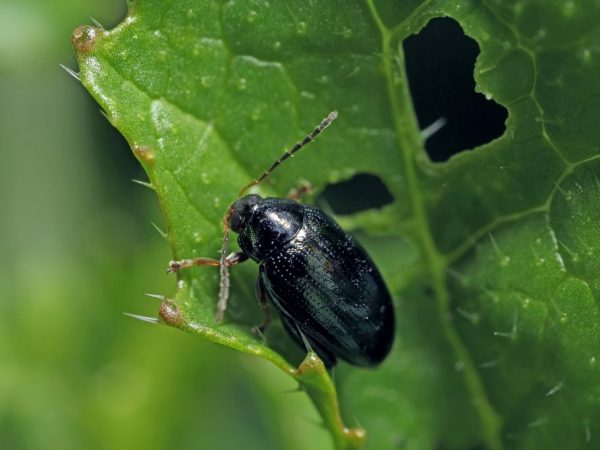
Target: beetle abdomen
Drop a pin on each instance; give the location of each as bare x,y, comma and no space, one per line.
326,284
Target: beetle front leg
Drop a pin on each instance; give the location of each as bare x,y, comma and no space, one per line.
307,343
231,260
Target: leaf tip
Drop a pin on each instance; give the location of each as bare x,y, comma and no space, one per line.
356,435
145,154
170,314
84,38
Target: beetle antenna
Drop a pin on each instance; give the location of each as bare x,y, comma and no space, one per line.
224,269
324,124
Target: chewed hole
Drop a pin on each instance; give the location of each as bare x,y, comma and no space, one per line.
361,192
439,63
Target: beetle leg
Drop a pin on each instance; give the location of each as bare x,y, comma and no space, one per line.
236,258
231,260
296,194
261,293
307,343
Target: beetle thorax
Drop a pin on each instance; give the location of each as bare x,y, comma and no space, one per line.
264,225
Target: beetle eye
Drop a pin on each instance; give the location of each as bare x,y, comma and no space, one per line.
241,211
235,222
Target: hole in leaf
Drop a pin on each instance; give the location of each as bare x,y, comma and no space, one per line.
361,192
439,64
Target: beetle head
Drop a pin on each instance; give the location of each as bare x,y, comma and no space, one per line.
241,211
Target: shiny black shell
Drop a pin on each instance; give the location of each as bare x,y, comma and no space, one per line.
319,277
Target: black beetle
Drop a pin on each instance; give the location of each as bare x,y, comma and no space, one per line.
330,294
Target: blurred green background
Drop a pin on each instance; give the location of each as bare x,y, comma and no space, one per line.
78,249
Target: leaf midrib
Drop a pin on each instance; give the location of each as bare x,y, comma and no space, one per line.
436,263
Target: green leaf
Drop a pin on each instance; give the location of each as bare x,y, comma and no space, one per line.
493,257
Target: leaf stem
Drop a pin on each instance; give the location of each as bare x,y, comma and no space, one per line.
410,142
